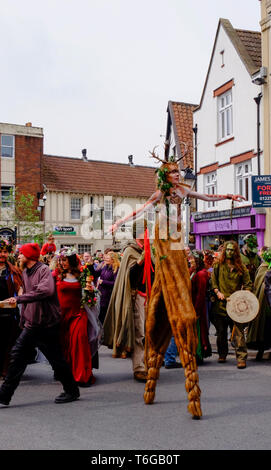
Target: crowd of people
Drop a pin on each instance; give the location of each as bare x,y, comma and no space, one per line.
215,275
66,305
151,303
50,306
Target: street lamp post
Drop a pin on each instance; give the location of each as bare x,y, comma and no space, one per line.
195,130
188,174
258,101
41,207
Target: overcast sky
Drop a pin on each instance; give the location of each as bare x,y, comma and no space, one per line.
98,74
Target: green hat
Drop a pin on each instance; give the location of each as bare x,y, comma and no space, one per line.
267,257
251,242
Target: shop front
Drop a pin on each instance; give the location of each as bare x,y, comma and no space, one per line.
211,229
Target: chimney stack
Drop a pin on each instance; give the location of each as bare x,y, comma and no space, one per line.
84,155
130,158
28,124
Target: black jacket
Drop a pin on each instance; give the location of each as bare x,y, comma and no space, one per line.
267,288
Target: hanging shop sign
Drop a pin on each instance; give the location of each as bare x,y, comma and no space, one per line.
261,191
236,212
64,231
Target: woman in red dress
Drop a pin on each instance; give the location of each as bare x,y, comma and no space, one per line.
73,323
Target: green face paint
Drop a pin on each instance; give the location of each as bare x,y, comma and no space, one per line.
230,251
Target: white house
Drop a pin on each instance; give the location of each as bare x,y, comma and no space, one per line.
228,138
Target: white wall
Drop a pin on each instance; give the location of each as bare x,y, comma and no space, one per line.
57,213
244,118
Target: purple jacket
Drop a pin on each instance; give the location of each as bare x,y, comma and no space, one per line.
39,300
108,277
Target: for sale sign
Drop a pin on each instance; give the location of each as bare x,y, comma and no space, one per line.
261,191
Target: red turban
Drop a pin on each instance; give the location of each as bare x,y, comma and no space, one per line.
31,251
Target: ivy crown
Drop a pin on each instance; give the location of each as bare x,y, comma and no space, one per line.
162,183
267,257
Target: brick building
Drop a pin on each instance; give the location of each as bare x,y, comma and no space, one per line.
21,153
77,198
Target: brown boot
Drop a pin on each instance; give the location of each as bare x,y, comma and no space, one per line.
241,364
221,359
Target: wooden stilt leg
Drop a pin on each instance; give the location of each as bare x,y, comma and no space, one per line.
158,334
188,360
154,363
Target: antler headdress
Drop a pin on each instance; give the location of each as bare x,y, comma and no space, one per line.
170,159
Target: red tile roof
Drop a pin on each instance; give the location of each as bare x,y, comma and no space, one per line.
182,119
97,177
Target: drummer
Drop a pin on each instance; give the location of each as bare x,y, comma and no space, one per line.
229,275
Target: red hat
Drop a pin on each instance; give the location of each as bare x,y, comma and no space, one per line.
31,251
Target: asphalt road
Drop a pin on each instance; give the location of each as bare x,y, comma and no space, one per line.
111,415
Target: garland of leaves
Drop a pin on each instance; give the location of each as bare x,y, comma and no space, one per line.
162,182
90,292
251,242
267,257
6,244
164,186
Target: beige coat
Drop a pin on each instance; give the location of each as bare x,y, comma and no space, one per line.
257,336
119,329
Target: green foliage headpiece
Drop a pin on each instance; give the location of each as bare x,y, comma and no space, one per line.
267,257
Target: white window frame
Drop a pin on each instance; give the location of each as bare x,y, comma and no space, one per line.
108,209
83,247
9,202
76,205
225,116
7,146
243,172
210,187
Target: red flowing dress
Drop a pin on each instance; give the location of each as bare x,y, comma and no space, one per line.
73,331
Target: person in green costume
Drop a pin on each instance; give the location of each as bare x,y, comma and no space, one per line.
249,255
229,275
259,330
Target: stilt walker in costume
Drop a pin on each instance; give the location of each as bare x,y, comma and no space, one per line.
170,309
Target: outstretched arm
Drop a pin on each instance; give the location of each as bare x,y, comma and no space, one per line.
183,192
137,213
